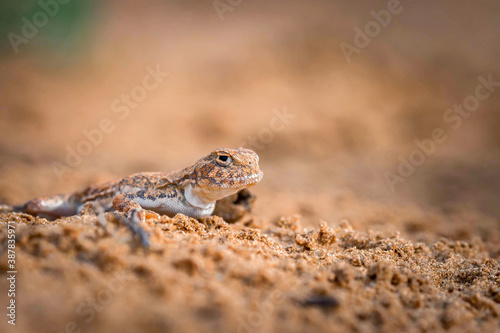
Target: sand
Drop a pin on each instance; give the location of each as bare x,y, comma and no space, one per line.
89,274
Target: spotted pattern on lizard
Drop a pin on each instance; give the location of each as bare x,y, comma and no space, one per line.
192,191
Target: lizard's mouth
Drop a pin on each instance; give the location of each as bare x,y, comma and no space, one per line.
252,179
247,180
218,188
234,183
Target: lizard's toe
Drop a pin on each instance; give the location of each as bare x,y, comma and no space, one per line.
144,214
148,214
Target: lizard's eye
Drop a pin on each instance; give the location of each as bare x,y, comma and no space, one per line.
223,160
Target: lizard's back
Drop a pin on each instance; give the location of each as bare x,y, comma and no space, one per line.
100,194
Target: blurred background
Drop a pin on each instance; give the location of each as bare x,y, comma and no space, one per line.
92,90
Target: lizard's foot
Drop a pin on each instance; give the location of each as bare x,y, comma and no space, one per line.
144,214
135,215
133,223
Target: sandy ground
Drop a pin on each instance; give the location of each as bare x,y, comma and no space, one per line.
208,275
329,245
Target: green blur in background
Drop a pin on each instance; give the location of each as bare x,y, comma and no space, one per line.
59,28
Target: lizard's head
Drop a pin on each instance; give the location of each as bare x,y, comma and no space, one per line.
224,172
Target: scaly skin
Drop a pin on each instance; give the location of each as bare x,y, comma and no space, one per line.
192,191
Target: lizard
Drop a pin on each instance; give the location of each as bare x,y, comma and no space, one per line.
192,191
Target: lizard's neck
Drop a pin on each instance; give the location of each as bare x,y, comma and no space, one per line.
195,200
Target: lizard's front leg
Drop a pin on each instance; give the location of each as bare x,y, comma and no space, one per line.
127,203
135,213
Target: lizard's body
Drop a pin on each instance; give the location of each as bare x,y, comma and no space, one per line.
191,191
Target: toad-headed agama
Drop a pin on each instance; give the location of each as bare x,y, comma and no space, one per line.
191,191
